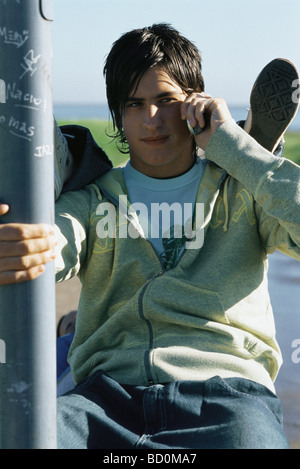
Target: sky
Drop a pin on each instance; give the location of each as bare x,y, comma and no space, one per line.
236,38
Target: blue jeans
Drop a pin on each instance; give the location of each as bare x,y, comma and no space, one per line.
62,349
218,413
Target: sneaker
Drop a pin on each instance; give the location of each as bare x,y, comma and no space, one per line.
272,107
66,324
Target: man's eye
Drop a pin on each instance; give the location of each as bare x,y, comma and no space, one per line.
134,104
168,100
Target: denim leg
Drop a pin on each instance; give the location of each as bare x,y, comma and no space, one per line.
62,349
99,414
215,414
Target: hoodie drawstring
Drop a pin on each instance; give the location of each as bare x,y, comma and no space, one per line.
225,201
99,196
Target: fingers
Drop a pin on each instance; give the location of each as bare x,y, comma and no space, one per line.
205,114
3,209
10,277
24,251
202,109
193,109
26,247
25,262
22,231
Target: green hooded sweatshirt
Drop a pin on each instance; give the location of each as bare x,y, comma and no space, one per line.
209,313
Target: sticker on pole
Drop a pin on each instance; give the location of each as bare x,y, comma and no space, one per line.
2,92
2,351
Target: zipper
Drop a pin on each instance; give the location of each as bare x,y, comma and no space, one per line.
142,293
150,330
141,296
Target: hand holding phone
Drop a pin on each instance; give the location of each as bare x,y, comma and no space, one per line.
203,115
194,130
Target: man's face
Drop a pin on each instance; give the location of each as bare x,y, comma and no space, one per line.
160,144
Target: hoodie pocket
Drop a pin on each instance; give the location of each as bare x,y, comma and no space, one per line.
189,302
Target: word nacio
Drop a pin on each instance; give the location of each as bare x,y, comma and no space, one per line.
2,92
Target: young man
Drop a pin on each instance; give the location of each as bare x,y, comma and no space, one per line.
175,343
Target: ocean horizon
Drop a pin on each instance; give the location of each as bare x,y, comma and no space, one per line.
100,111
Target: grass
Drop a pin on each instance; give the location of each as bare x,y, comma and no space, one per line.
292,146
101,130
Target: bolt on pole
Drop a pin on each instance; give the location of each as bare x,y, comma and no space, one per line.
27,310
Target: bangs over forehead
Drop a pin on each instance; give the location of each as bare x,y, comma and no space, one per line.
141,49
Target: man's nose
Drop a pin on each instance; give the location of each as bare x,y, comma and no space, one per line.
152,117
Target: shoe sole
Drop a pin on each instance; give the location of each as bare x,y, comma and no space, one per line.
272,105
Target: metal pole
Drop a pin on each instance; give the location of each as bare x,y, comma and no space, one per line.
27,310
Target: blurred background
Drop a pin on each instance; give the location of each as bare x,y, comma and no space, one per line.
236,38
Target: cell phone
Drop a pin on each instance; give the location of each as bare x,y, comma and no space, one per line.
194,130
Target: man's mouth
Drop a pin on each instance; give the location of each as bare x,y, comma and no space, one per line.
155,141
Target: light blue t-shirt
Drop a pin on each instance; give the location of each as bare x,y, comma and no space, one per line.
164,206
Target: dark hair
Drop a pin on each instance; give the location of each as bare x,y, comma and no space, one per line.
139,50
